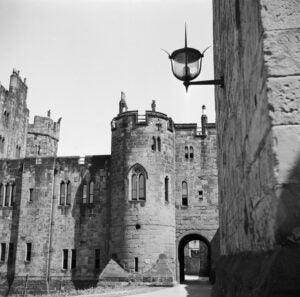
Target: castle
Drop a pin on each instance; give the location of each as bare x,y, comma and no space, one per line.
63,219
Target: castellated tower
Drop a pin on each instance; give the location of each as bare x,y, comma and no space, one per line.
142,234
43,137
13,118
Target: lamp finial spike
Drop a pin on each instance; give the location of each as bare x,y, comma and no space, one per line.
185,41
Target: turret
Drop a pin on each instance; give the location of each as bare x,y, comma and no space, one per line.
142,184
43,137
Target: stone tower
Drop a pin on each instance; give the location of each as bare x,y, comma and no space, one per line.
13,118
142,183
43,137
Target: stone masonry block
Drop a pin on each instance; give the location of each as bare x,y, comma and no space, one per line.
284,101
282,52
286,142
280,14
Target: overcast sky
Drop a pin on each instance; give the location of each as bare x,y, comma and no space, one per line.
78,56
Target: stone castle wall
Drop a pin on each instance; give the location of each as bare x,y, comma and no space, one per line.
256,47
64,218
40,218
200,172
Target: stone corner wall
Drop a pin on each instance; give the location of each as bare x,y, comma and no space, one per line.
256,48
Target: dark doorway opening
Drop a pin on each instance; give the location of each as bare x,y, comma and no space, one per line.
194,255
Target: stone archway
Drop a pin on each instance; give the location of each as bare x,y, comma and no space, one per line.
203,271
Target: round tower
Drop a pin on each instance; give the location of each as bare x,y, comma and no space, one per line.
142,234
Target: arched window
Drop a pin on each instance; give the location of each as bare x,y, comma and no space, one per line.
186,153
69,187
38,149
191,152
153,147
158,144
62,193
166,189
184,193
141,187
7,194
91,192
134,187
84,193
137,182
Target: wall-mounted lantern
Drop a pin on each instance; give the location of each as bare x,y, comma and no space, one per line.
186,65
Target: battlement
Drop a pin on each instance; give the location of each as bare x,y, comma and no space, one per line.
135,119
45,126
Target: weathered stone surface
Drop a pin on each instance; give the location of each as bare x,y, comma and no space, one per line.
284,104
282,52
280,14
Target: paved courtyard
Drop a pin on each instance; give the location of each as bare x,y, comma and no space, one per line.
190,289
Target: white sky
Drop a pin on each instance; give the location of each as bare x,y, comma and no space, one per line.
78,56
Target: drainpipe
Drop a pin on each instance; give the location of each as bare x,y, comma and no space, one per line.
48,276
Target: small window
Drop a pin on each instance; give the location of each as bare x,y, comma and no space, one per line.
30,195
186,153
38,150
65,259
28,252
191,153
69,187
166,189
136,264
184,194
7,194
73,259
153,147
3,252
159,144
97,258
84,193
200,195
91,192
62,193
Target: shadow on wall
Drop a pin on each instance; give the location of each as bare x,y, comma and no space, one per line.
288,209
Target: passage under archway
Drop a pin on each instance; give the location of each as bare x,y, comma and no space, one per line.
194,256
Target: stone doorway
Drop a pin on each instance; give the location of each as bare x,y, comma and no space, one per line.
194,255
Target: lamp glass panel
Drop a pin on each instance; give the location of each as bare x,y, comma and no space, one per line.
192,69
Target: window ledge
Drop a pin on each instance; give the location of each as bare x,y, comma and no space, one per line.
64,270
137,201
27,262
